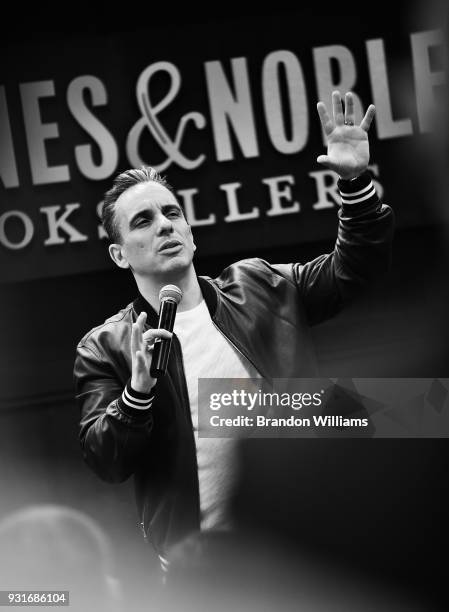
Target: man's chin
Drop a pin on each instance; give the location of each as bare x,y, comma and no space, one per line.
172,266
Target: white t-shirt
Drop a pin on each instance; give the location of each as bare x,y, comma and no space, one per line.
208,354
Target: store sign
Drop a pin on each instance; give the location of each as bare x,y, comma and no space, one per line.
237,137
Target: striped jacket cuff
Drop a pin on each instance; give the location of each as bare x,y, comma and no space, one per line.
133,403
165,564
359,192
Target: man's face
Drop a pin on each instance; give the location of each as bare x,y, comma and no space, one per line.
156,239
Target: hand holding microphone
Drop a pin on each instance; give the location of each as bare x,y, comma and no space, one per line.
142,344
150,350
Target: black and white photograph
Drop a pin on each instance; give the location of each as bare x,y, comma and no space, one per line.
224,276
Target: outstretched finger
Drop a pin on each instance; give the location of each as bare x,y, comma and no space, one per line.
141,321
136,332
135,342
337,107
349,108
326,122
368,118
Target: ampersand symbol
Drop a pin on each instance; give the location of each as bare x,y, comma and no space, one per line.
150,121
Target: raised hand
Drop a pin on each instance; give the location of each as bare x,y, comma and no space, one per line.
347,144
142,352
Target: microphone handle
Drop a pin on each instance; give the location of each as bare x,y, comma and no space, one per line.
161,351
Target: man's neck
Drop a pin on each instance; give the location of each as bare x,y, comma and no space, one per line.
187,282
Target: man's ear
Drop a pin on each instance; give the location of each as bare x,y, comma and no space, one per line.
116,253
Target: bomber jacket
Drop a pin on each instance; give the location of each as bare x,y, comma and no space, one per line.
265,311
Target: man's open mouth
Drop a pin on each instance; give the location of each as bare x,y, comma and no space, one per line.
170,244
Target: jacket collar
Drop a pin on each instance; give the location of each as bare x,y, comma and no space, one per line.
208,289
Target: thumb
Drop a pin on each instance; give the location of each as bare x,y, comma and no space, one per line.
151,334
323,159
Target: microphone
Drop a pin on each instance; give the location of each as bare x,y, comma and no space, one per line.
169,298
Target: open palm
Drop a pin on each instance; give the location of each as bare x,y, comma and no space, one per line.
347,144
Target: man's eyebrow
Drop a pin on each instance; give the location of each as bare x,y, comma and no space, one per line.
172,205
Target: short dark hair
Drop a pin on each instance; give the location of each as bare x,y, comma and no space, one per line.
122,182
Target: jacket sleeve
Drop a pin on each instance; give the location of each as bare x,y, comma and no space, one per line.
362,252
116,422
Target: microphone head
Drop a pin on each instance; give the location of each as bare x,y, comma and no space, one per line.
170,292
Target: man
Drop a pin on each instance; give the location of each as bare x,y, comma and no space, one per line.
251,321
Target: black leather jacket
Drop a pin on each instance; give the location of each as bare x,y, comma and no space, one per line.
265,311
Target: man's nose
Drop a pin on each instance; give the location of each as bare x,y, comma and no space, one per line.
165,226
